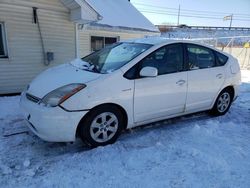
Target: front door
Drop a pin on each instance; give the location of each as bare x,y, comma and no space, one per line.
165,94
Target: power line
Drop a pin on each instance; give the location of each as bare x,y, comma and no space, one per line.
187,15
174,12
197,11
163,7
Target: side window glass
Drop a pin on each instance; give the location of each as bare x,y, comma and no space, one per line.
221,59
168,59
200,57
132,73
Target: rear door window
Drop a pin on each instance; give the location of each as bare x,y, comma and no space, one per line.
200,57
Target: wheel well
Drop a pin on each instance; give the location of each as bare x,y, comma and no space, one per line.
231,89
125,116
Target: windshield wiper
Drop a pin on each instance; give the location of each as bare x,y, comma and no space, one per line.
89,66
93,67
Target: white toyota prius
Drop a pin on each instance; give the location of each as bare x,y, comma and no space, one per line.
126,85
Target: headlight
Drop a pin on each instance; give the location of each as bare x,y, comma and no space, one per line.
61,94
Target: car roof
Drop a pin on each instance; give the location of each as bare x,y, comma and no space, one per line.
162,40
151,40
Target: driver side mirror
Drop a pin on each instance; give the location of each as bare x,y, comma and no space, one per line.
149,72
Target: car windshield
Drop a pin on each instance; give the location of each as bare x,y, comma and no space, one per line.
115,56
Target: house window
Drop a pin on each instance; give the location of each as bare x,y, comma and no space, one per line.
3,48
98,43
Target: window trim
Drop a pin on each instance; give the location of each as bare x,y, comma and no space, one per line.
137,65
105,36
4,38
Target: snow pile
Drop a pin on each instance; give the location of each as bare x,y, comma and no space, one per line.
190,151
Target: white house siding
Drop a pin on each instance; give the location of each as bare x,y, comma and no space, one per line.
85,37
24,46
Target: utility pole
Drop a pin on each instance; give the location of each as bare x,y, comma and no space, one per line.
178,21
231,20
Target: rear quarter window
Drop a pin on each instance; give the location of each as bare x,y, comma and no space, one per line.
221,59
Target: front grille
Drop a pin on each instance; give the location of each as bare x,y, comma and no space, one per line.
32,98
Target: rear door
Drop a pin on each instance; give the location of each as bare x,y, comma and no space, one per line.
205,79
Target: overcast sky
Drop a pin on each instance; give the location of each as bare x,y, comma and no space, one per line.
196,12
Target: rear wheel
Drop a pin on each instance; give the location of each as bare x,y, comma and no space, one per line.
223,102
102,126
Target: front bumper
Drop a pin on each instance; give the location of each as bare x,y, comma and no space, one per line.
51,123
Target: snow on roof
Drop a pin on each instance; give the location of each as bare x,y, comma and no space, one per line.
121,13
81,11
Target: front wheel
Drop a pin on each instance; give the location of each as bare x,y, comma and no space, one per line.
102,126
222,103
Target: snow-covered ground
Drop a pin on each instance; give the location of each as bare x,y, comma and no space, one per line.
191,151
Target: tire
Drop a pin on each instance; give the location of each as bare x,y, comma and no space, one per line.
102,126
222,103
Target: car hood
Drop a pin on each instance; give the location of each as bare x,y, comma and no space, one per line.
59,76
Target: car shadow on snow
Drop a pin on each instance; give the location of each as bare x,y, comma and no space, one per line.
169,124
23,137
56,149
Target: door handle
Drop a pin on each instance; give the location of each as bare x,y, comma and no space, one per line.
180,82
219,76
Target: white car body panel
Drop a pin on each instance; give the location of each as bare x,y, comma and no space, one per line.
59,76
105,90
51,124
202,85
160,96
144,100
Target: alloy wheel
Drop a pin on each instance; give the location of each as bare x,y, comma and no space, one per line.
104,127
223,102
